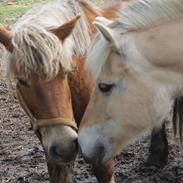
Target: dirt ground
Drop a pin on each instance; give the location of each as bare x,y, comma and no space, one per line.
22,159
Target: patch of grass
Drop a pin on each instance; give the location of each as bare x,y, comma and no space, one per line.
9,14
29,2
97,2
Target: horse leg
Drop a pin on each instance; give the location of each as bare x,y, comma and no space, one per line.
59,174
158,147
104,172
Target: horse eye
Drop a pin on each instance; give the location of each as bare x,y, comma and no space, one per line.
23,82
105,88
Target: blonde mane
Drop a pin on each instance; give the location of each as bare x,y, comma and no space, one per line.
37,49
148,13
138,15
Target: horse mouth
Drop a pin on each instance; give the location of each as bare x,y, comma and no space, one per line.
61,160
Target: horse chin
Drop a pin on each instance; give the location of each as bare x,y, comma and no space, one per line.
60,144
61,162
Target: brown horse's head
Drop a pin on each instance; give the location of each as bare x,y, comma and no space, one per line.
39,61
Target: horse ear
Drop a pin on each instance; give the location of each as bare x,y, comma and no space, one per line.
5,38
103,20
65,30
107,32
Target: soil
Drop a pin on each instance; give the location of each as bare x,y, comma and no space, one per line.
22,159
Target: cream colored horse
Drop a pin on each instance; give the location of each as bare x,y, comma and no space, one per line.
138,64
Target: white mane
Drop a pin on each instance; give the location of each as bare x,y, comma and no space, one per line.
37,49
141,14
147,13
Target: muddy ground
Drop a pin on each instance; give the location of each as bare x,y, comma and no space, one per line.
22,159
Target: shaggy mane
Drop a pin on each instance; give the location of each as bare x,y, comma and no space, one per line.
138,15
37,49
148,13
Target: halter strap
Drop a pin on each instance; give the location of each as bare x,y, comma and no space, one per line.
54,122
39,123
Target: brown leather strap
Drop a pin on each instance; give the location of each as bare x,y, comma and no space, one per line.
24,106
39,123
54,122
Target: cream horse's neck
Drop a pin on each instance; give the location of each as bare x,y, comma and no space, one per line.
162,48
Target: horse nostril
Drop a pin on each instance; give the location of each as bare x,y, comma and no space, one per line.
75,145
55,151
101,153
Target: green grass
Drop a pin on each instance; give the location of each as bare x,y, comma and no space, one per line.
97,2
9,14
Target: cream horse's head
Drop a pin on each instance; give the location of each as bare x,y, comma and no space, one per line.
139,72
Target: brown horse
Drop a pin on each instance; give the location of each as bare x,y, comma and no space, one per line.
47,62
137,61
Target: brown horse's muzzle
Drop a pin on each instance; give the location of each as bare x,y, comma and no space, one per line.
60,144
57,135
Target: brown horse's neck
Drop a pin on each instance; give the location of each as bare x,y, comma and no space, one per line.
90,14
80,86
110,8
79,81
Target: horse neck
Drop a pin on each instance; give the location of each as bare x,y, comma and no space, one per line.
110,8
79,81
90,14
161,46
80,87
